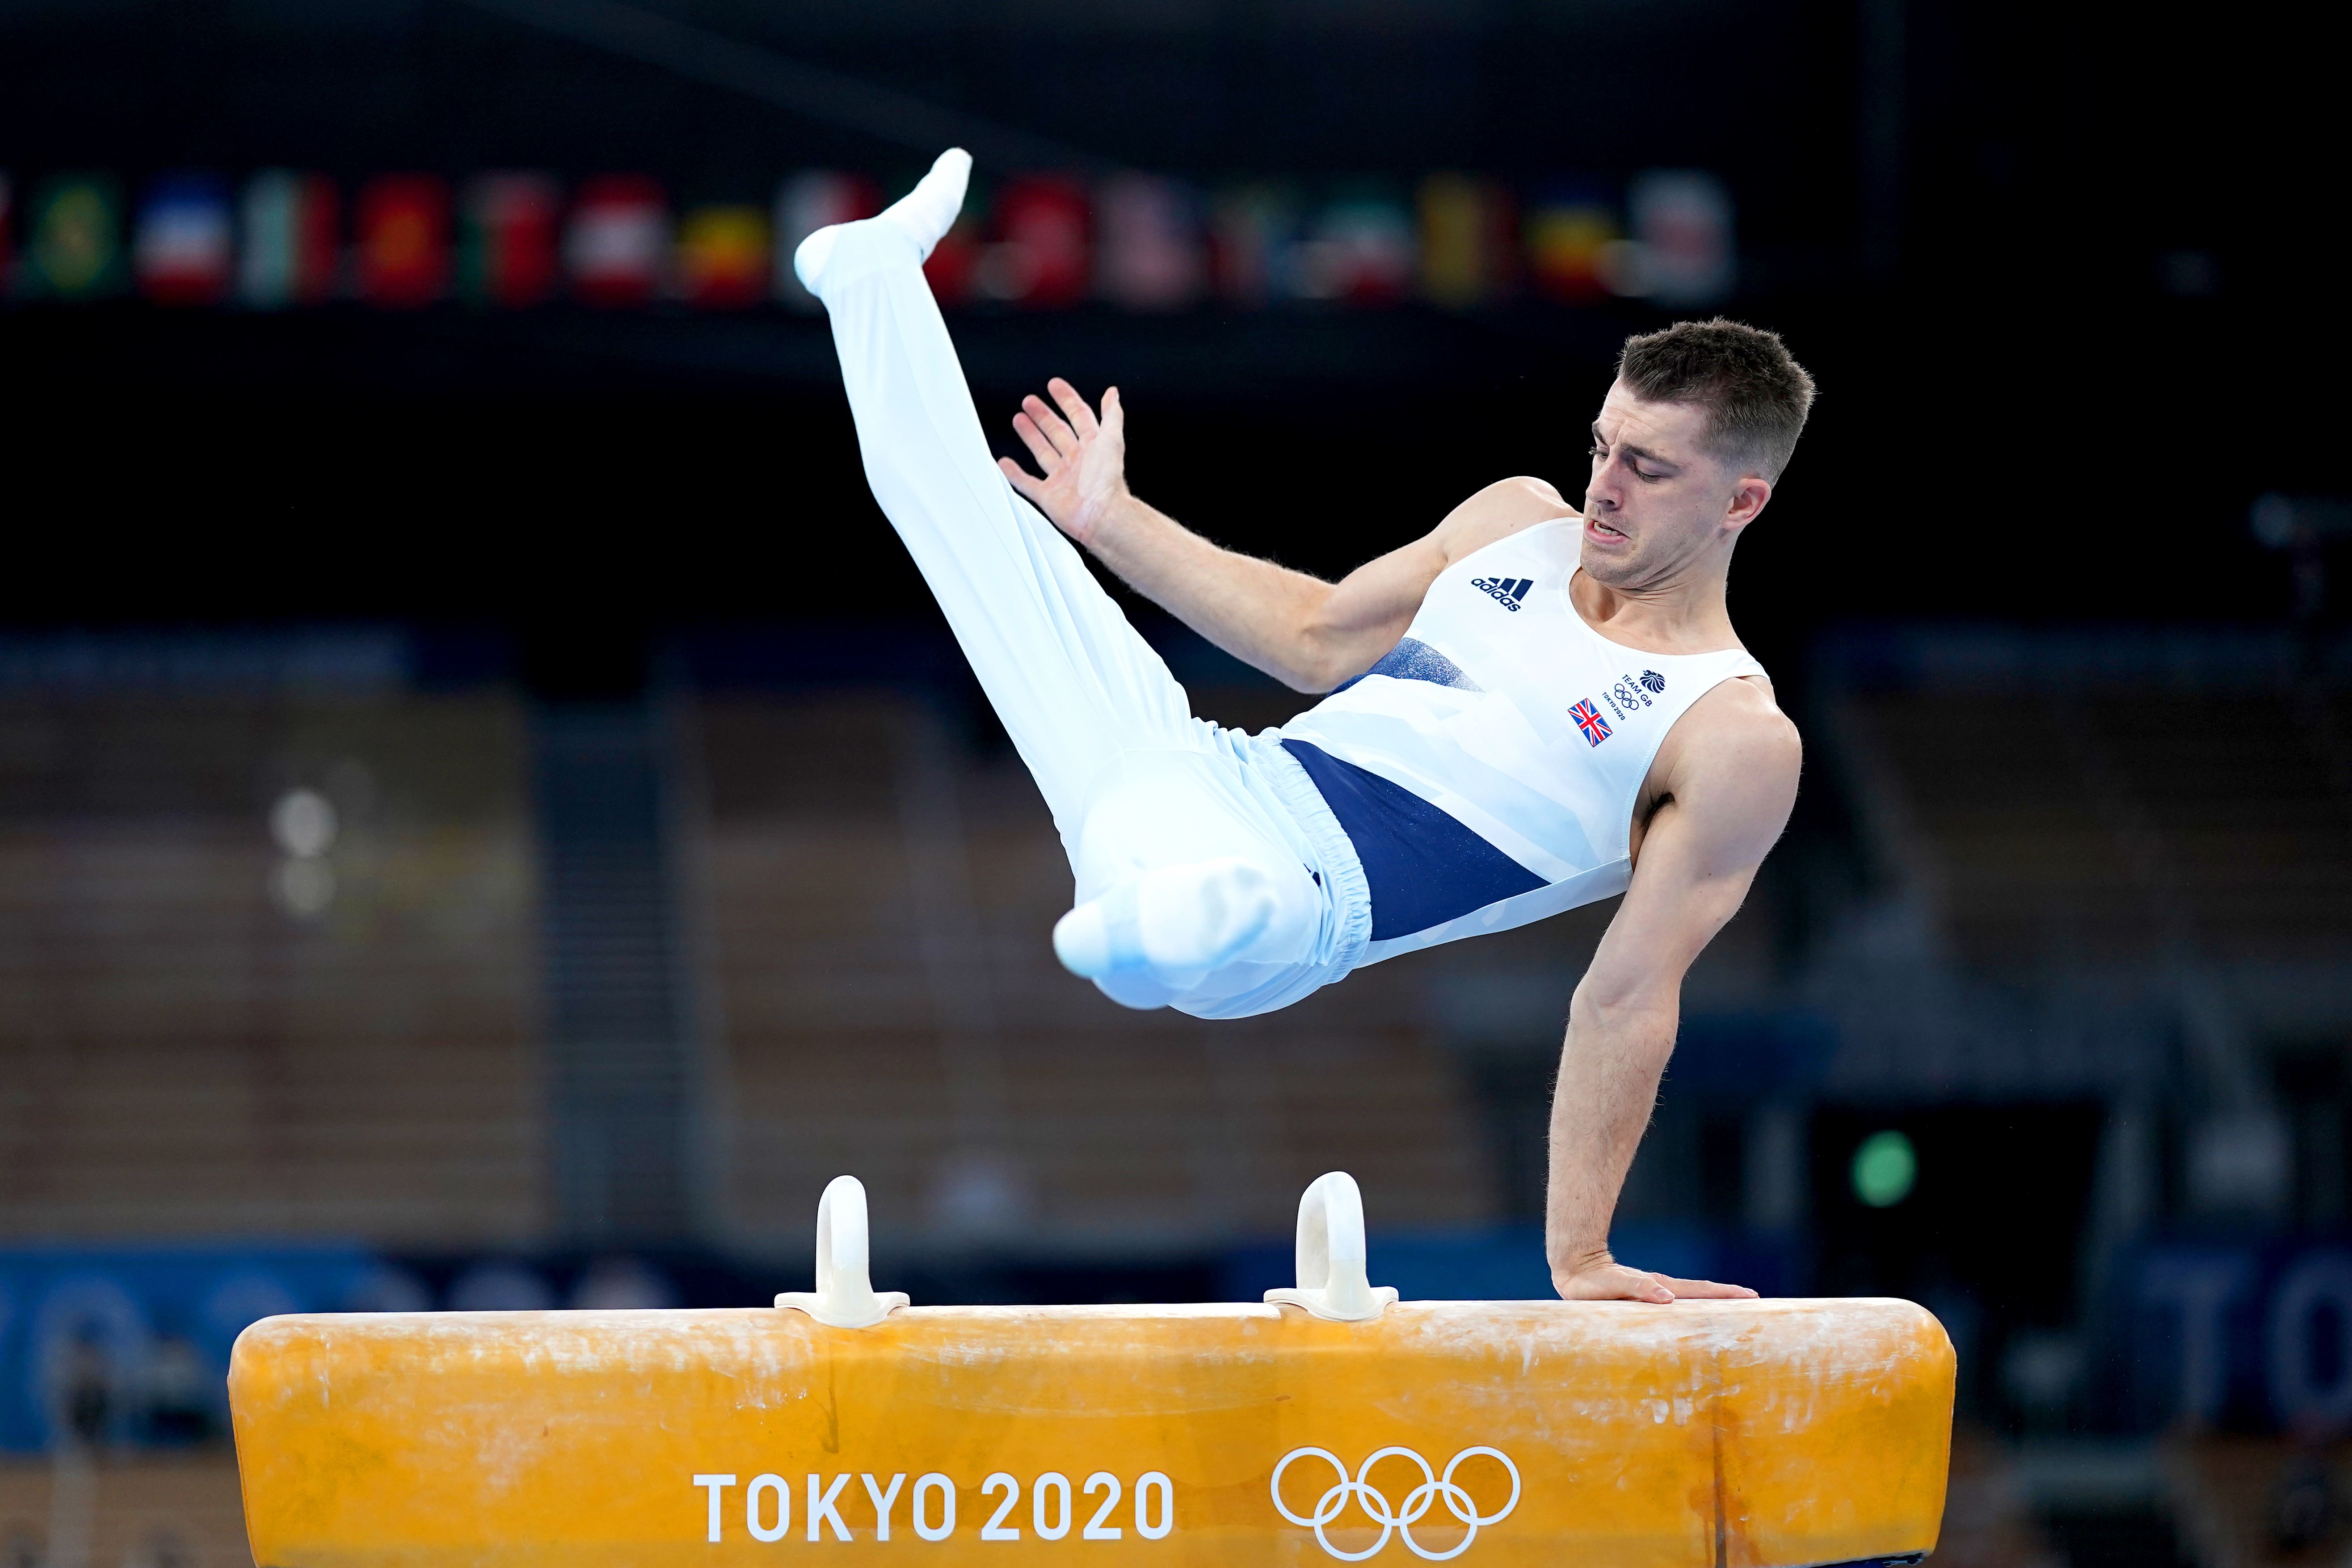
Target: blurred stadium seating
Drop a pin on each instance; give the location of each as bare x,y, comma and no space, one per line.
2071,829
183,1058
141,1511
2105,821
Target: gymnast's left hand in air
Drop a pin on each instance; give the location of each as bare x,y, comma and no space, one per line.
1530,707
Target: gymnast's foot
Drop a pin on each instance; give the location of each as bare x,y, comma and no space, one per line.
1176,923
923,216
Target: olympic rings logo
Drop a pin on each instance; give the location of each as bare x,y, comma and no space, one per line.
1398,1520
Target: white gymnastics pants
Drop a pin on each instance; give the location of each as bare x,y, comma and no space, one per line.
1134,781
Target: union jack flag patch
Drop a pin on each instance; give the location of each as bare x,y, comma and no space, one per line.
1589,720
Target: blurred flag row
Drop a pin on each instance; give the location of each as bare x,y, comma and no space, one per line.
513,240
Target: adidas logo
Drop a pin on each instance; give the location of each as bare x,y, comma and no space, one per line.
1505,591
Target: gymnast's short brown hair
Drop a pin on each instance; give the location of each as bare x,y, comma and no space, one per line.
1755,394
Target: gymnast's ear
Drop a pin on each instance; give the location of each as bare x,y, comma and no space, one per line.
1749,496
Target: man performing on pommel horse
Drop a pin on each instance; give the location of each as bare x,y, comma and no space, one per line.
1529,710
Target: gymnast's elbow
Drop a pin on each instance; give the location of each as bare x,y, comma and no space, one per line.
1319,654
1314,668
1290,655
1641,1011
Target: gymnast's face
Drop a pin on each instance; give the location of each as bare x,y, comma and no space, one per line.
1660,504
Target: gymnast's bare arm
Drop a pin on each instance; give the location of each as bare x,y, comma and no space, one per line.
1716,800
1308,633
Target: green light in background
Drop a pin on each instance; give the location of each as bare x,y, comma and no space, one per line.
1884,1167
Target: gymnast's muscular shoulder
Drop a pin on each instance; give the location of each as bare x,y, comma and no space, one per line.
1497,511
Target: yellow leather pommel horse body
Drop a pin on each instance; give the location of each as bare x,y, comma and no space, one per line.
1331,1424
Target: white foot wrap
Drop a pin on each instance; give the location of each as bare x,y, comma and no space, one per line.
929,210
1175,924
923,214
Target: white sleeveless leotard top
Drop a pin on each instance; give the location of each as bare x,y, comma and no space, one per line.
1487,769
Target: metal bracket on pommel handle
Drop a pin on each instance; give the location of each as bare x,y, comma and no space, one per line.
1331,1278
844,1296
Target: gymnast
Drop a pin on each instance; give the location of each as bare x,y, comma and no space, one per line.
1529,708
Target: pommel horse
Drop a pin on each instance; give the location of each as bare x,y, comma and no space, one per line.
1333,1423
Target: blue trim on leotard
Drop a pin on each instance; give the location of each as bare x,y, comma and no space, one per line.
1410,660
1422,867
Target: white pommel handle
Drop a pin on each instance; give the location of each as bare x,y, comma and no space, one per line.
1331,1281
844,1296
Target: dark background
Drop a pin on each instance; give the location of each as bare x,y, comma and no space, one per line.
2059,270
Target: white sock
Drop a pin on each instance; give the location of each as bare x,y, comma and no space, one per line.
929,210
1177,923
923,214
